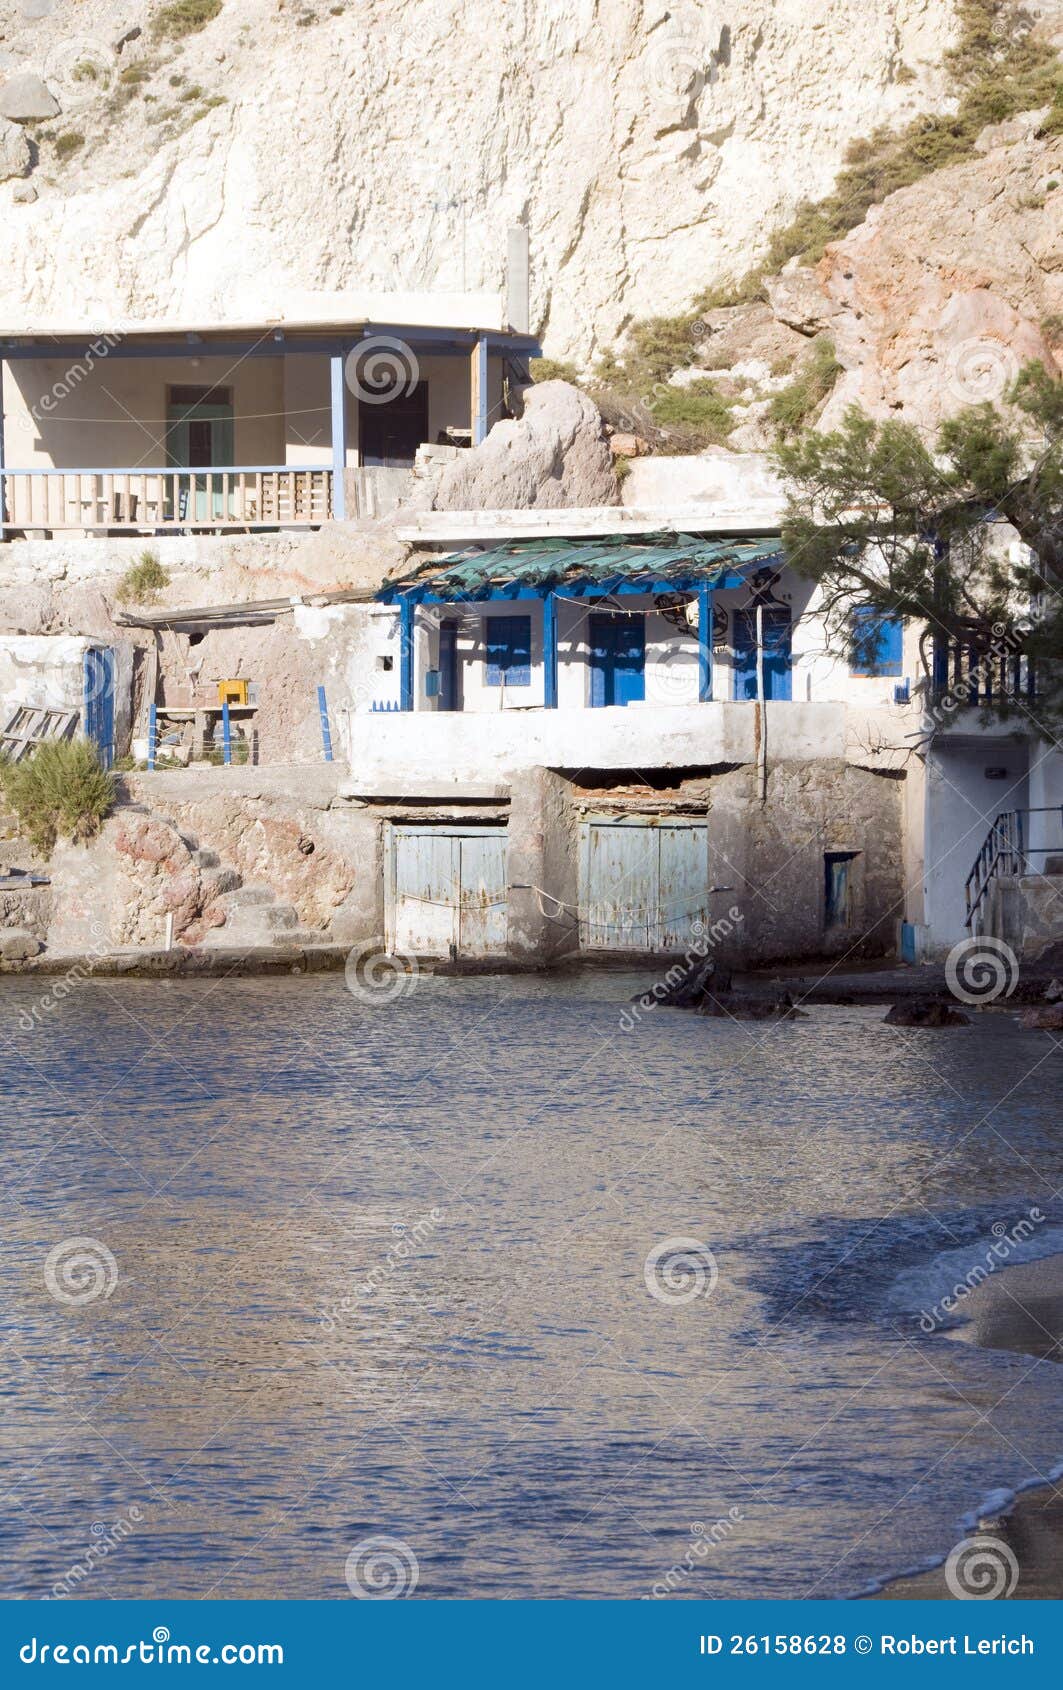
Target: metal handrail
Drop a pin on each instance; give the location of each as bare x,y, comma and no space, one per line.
1006,843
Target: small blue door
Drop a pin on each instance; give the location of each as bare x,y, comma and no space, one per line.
97,718
777,652
448,666
618,659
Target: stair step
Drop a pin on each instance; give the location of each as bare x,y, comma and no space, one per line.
281,915
249,897
218,881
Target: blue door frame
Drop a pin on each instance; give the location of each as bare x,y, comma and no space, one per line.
618,658
98,708
448,666
777,652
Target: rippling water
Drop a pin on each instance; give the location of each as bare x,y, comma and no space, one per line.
381,1272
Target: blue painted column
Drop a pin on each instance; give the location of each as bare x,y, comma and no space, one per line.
406,614
704,643
3,482
339,436
479,391
550,651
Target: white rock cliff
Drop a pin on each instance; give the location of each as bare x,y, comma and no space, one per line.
650,146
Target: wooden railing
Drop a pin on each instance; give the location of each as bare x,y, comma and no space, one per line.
140,500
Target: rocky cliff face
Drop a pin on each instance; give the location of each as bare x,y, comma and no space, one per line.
294,145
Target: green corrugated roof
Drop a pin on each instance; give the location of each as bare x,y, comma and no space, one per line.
538,563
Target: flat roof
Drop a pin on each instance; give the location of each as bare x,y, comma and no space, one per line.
299,312
744,518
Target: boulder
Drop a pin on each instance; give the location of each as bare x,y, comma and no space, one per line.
24,193
555,456
1048,1017
26,99
926,1012
798,299
15,155
16,945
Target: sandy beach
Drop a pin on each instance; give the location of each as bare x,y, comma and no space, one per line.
1020,1309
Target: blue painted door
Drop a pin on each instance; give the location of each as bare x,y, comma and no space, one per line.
643,885
446,889
97,718
618,659
448,666
777,652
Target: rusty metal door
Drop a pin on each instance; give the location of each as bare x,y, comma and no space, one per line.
446,891
643,883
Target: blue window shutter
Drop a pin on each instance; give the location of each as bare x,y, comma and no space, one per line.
509,651
880,640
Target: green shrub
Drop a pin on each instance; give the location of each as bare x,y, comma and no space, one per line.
68,143
184,17
698,414
997,70
143,580
553,369
796,404
58,790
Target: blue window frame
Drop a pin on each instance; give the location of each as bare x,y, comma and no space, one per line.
878,643
509,651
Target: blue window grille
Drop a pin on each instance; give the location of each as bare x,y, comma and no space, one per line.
878,642
509,651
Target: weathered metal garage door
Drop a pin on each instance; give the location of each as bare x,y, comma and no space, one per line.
643,884
446,887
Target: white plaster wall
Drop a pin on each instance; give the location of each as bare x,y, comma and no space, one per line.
445,746
113,415
43,670
109,412
960,806
671,654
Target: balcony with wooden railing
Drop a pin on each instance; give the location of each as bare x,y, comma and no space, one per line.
154,500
